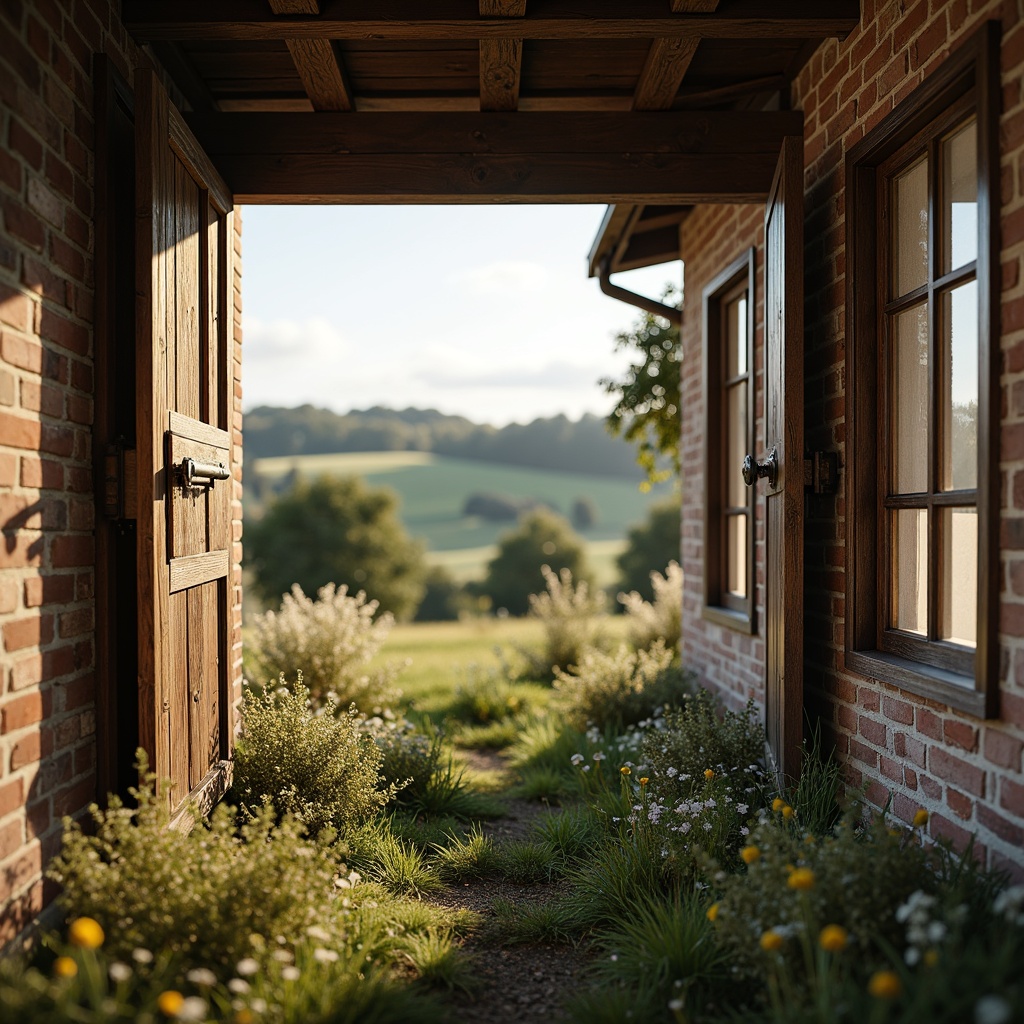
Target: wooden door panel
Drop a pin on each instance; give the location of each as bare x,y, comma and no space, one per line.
784,420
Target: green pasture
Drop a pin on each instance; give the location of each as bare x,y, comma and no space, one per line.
433,490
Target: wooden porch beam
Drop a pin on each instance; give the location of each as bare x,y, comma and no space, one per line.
501,60
147,20
471,158
317,62
667,62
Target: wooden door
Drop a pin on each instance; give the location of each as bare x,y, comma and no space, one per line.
784,434
184,395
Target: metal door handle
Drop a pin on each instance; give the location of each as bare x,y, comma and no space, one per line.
754,470
194,473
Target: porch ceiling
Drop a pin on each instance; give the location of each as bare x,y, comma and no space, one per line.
533,100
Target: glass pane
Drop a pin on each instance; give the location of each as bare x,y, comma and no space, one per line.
736,338
960,198
910,229
910,570
909,401
960,387
959,576
736,429
736,555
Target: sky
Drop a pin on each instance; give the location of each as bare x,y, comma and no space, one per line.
482,311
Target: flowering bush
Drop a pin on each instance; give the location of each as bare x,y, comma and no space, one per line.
316,765
330,640
571,615
620,688
661,619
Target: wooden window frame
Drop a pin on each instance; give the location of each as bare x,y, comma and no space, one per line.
969,79
720,607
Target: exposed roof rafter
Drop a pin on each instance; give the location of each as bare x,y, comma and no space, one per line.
668,60
501,60
317,62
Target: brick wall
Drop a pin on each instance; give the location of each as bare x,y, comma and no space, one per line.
47,579
967,772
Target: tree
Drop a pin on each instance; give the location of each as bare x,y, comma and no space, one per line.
652,545
647,400
584,514
337,530
542,538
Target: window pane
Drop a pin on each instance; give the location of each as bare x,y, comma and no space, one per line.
736,449
910,570
960,387
909,401
960,198
736,555
959,608
910,229
736,337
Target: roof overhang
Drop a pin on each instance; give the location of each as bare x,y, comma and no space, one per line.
635,235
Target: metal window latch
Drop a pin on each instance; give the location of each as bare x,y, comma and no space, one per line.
821,472
200,474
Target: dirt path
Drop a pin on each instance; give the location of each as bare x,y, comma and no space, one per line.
520,984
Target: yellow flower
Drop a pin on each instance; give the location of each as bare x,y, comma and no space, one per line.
931,957
833,938
86,932
771,941
749,854
788,812
170,1002
644,780
244,1016
885,985
709,773
801,878
712,912
920,818
809,840
778,803
65,967
626,770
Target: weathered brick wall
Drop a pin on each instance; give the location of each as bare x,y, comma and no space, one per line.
47,610
967,772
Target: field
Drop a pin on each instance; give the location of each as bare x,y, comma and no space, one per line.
433,490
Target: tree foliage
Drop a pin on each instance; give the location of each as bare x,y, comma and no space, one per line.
652,545
646,409
542,538
337,530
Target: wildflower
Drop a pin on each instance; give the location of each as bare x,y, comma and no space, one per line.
920,818
885,985
202,976
325,956
119,972
170,1002
65,967
625,770
86,932
283,956
598,756
749,854
801,879
709,773
142,956
778,803
247,967
193,1008
788,812
675,1005
644,780
833,938
290,973
576,759
992,1009
243,1016
771,941
712,911
238,986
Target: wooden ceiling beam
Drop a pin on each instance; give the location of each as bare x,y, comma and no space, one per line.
317,62
667,62
501,60
184,20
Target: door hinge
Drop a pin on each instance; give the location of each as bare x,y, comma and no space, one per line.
119,482
821,472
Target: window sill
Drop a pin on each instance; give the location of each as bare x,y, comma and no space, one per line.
957,691
739,621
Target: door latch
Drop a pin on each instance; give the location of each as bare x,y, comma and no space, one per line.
201,474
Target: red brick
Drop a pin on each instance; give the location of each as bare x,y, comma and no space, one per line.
11,796
960,734
34,631
11,838
22,224
24,353
8,469
891,769
928,723
942,828
45,474
962,806
898,710
20,551
27,750
62,331
17,310
1003,749
19,432
67,552
45,202
954,769
49,590
1000,826
74,799
76,623
910,749
21,712
874,732
1011,796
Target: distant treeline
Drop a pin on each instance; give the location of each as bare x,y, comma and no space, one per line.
584,446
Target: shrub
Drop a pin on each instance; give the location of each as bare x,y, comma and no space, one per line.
408,757
487,697
650,545
316,765
571,616
621,688
662,619
329,641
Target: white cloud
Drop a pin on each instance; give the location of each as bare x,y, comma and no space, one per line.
502,277
292,340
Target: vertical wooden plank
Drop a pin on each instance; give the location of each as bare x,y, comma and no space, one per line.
197,667
187,289
210,693
179,634
211,343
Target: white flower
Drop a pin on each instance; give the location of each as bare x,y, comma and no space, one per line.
202,976
142,956
259,1006
283,956
576,759
238,986
598,756
290,973
194,1008
325,956
992,1010
119,972
742,808
314,931
247,967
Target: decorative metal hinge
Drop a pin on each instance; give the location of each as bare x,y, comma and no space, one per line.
119,484
821,472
